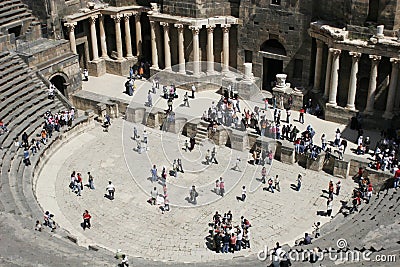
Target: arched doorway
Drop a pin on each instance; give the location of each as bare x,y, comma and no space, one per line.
59,82
273,52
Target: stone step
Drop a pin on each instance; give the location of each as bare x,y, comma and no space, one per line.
14,75
6,195
6,8
8,62
8,3
13,15
15,182
25,116
23,96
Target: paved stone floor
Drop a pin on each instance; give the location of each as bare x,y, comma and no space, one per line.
138,228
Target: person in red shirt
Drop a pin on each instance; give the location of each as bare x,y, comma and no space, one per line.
369,192
232,243
396,179
86,220
301,116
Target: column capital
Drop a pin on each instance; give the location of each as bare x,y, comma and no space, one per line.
355,55
210,28
395,60
164,24
127,16
116,18
335,51
375,58
320,44
195,29
137,15
225,27
70,25
92,19
180,27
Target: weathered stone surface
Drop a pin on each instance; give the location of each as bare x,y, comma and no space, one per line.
341,168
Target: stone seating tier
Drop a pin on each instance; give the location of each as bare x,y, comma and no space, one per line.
20,98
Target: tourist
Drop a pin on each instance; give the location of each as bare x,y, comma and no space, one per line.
38,226
186,100
270,185
153,196
213,154
317,229
396,179
111,190
153,172
135,133
232,243
221,187
301,116
86,75
207,162
145,136
124,261
369,192
337,137
288,113
216,189
338,186
277,187
149,99
179,165
329,207
243,197
90,181
86,220
263,174
236,167
193,90
26,157
299,181
324,142
226,239
193,195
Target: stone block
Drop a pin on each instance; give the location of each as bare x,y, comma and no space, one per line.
238,140
221,136
97,68
287,153
317,164
152,119
120,68
339,114
341,168
135,114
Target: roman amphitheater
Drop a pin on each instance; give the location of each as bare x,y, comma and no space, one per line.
114,87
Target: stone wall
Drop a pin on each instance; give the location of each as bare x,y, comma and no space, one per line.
286,23
197,8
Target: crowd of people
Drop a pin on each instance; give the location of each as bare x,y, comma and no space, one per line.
225,236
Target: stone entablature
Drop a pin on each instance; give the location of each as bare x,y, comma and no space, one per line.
387,46
223,20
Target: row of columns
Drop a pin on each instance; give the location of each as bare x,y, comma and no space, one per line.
332,76
118,35
196,46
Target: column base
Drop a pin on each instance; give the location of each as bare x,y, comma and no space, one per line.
182,71
315,90
120,67
388,115
331,104
350,107
368,112
97,68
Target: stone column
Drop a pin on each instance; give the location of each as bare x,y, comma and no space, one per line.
167,48
72,41
328,74
334,76
103,42
196,49
318,66
369,109
138,28
181,48
118,38
351,97
210,48
392,89
128,40
225,47
154,54
93,35
397,100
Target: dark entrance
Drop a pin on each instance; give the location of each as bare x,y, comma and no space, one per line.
82,55
271,67
272,61
59,83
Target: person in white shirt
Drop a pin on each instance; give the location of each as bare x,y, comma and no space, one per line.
243,197
111,189
193,90
154,194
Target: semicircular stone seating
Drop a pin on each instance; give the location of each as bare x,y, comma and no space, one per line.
373,229
23,103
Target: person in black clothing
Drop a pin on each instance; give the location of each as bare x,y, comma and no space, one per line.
25,139
217,242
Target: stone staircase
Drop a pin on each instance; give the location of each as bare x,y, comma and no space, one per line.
15,13
202,133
